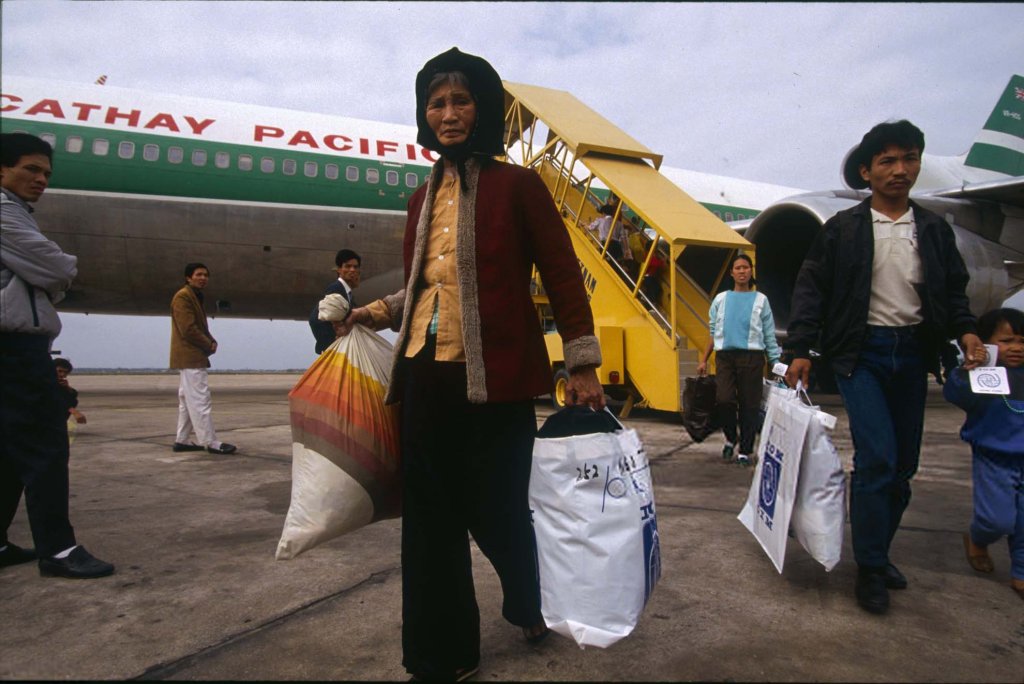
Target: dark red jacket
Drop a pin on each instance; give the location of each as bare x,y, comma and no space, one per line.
507,224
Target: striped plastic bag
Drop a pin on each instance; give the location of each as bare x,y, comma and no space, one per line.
345,459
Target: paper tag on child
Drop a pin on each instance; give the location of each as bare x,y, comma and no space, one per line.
989,380
780,369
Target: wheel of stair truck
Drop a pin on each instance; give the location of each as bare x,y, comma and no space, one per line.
561,387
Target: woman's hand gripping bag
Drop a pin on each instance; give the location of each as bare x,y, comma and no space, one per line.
345,458
594,518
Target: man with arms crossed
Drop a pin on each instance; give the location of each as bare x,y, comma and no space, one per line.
191,347
881,288
33,420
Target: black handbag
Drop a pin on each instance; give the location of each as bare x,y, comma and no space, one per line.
699,415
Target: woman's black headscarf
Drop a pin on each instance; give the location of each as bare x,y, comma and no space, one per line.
487,137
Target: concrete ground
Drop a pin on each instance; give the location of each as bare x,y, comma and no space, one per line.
198,595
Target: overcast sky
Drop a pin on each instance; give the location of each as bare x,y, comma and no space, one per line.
767,92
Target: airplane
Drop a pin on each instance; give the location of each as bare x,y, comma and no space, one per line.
144,183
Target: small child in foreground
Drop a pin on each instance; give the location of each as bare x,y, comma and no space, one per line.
995,430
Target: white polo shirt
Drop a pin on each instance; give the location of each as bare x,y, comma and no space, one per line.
895,270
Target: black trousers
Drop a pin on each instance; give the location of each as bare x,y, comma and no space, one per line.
466,469
33,443
740,382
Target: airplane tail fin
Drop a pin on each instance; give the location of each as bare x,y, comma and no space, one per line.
1000,144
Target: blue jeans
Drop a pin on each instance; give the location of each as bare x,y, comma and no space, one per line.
999,503
884,398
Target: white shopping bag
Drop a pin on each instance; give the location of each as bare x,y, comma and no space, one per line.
769,389
819,512
773,489
597,534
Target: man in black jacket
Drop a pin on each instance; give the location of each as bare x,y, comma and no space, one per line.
882,287
349,264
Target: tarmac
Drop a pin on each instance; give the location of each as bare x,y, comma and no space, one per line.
198,594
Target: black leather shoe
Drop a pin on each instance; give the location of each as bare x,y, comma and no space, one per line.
15,555
79,564
224,448
871,593
894,579
178,446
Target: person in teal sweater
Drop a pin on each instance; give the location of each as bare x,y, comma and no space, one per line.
742,333
995,430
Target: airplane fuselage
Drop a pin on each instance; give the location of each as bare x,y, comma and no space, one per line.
264,197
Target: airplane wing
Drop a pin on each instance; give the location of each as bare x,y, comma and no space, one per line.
1007,191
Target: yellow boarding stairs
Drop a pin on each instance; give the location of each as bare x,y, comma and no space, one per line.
648,347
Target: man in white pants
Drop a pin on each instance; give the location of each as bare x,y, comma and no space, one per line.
191,347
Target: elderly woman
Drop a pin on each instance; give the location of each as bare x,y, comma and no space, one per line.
469,359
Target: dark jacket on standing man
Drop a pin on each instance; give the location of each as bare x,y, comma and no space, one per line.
323,331
833,289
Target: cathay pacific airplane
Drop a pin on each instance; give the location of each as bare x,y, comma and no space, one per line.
144,183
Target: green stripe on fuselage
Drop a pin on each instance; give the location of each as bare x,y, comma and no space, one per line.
111,173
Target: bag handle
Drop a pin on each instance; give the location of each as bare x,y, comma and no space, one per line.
617,421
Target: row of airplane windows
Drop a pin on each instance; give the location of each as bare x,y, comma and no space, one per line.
126,149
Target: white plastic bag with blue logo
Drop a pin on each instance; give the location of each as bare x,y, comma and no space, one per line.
597,535
773,490
819,511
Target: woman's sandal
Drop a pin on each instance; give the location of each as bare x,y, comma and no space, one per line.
981,562
536,634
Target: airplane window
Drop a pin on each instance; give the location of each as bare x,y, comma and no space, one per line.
73,143
288,166
222,160
391,177
352,173
728,216
373,175
717,213
310,169
198,157
331,171
175,154
100,147
126,149
245,162
50,138
150,152
412,180
267,165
